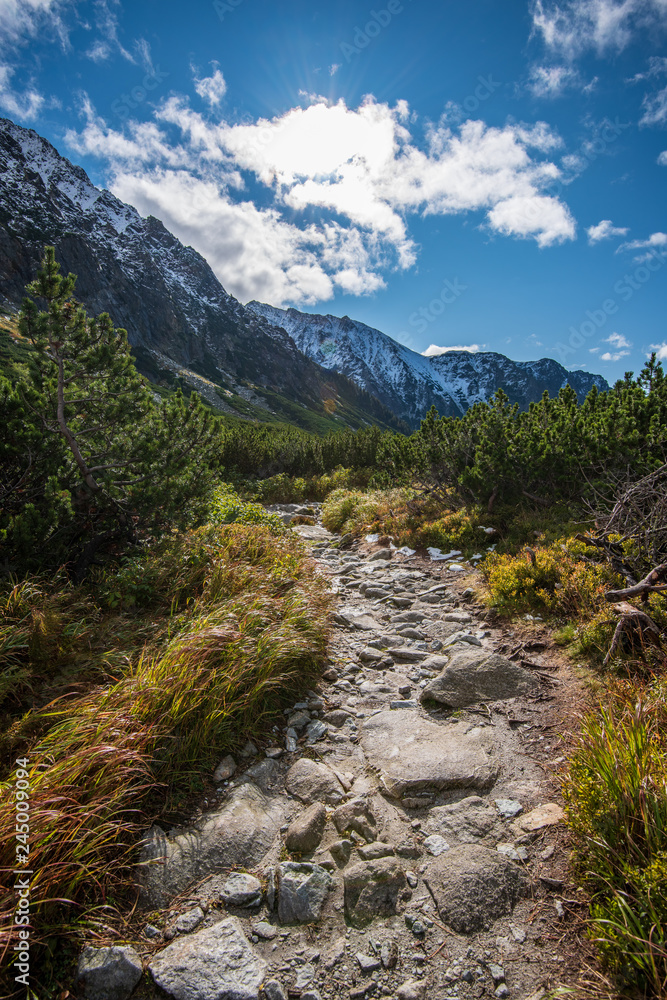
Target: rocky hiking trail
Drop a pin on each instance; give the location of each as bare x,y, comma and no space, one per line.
400,836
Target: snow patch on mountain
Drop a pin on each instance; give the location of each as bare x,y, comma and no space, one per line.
410,383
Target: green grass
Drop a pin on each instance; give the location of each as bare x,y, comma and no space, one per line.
246,631
616,795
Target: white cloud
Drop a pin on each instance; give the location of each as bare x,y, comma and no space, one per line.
25,103
570,27
333,69
654,240
617,340
212,88
662,158
608,356
358,173
20,22
552,81
660,350
434,351
604,231
655,108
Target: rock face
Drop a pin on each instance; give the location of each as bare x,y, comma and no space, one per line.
410,383
180,320
474,675
239,834
109,973
372,890
474,886
302,890
216,963
413,754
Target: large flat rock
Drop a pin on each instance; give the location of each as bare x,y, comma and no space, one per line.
412,754
474,675
473,886
217,963
239,834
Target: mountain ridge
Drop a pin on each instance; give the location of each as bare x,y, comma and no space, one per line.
410,383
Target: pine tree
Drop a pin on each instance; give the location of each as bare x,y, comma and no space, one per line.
92,463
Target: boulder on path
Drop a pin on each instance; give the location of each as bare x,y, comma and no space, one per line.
215,963
412,754
302,889
241,889
305,833
109,973
469,821
474,675
239,834
372,890
310,781
473,886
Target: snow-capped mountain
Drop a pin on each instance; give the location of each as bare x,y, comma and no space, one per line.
179,318
409,383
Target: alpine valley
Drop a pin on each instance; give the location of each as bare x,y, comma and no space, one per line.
254,361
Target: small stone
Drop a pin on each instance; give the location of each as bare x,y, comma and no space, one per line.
340,851
376,849
413,880
518,933
273,990
502,992
380,554
305,976
316,731
274,752
546,815
302,890
418,928
298,720
560,909
497,972
109,973
389,954
311,781
305,833
413,989
508,807
518,853
187,921
311,995
403,703
436,845
225,769
249,750
241,889
264,930
367,963
152,932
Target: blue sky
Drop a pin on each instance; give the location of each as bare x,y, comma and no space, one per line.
488,175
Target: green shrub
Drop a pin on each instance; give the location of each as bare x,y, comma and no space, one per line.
227,507
556,581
